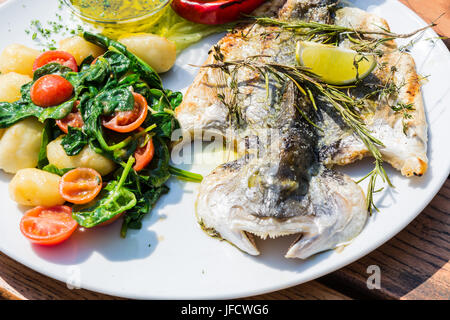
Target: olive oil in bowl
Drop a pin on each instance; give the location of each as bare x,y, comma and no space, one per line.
117,17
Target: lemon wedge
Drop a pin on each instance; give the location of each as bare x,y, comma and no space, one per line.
332,64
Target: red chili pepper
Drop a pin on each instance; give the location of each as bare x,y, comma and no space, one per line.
214,12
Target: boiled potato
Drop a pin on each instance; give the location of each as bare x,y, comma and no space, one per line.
10,84
34,187
87,158
20,144
18,58
157,51
80,48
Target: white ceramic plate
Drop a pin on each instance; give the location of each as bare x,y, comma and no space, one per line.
171,258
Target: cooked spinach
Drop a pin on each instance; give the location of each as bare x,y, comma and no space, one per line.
118,63
11,113
185,175
138,66
157,172
86,63
74,141
133,218
102,89
54,169
51,68
114,199
45,139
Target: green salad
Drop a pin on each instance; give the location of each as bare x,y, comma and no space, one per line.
115,106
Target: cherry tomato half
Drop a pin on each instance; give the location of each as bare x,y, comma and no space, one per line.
80,185
48,225
61,57
73,119
127,121
50,90
215,11
144,155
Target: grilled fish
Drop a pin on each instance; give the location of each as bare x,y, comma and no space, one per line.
280,184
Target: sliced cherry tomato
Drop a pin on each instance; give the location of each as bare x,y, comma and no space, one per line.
73,119
127,121
50,90
144,155
215,11
48,225
61,57
80,185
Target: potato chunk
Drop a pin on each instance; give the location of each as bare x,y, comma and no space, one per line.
87,158
80,48
157,51
10,84
18,58
34,187
20,144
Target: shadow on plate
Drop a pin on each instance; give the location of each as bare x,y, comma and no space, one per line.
106,241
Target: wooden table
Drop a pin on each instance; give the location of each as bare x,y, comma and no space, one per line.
413,265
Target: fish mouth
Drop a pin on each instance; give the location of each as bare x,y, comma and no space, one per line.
335,212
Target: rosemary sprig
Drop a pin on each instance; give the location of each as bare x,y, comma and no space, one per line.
327,32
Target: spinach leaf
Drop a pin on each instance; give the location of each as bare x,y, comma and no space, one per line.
25,92
157,172
104,103
165,124
11,113
175,98
163,102
95,75
118,99
118,63
137,65
46,134
138,85
185,175
130,80
54,169
160,100
86,63
114,199
51,68
74,141
133,218
57,112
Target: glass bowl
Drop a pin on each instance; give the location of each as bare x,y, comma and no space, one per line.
127,23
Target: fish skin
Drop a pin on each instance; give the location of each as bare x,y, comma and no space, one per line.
278,187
